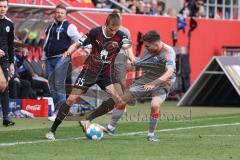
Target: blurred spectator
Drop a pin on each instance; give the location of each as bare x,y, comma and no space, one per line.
101,3
133,2
37,64
26,72
193,9
147,8
154,6
140,7
172,12
161,8
123,3
185,12
200,6
219,14
20,88
132,8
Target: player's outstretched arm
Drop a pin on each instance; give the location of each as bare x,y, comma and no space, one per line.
165,77
127,46
71,49
130,54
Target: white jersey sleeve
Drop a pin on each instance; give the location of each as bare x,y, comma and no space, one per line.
170,56
73,33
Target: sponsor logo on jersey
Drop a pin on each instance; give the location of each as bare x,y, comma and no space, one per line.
98,42
103,56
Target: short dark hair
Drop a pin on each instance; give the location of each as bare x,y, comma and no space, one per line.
116,11
113,19
161,3
151,36
61,6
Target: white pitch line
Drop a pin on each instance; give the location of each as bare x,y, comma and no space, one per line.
182,128
206,135
39,141
215,118
190,120
122,134
219,135
202,119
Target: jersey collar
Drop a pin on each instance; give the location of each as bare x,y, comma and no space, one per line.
103,31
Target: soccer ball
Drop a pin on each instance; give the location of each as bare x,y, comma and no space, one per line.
94,132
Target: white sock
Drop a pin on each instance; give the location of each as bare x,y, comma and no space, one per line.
150,134
111,127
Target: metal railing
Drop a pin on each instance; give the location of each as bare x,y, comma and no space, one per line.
227,8
121,6
17,5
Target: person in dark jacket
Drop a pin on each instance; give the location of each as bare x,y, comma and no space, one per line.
6,58
59,36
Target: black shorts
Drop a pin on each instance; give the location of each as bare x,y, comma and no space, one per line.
87,78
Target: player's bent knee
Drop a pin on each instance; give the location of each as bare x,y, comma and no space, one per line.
155,105
155,108
72,99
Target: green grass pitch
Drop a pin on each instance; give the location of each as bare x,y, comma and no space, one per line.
196,133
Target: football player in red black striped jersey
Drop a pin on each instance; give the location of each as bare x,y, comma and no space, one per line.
98,68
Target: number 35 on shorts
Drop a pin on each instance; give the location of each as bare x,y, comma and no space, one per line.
80,82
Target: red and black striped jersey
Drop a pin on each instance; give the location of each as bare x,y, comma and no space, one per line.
104,50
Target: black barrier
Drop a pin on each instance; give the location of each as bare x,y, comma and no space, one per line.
217,85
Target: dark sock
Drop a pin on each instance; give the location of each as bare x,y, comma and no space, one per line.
62,113
5,104
104,108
